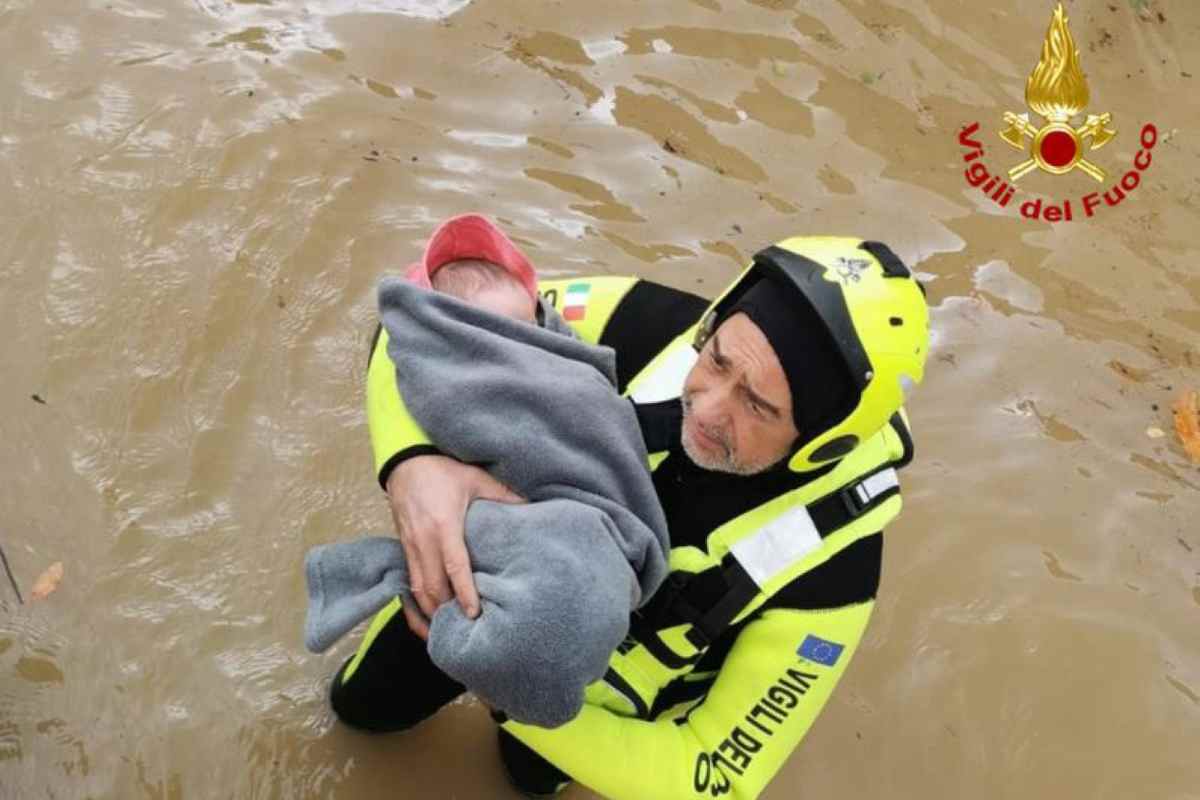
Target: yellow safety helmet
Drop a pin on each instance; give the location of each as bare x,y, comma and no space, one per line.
875,312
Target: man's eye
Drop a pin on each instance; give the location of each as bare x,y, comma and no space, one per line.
716,363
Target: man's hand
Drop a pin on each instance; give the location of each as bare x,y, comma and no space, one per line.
429,496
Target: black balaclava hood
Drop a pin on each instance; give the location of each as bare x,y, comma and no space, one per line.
822,392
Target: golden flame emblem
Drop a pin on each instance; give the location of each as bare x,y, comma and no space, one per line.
1058,90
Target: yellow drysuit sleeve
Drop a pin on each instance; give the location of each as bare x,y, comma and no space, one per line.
393,430
732,744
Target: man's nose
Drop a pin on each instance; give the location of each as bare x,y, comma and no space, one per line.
712,405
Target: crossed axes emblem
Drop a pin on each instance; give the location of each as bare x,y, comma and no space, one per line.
1057,147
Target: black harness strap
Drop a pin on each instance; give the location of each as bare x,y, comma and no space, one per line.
709,601
669,607
613,679
740,590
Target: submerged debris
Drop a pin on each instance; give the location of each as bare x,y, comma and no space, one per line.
1187,423
47,582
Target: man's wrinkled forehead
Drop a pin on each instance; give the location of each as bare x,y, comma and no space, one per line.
739,343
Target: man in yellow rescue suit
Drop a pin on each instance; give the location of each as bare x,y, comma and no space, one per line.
774,425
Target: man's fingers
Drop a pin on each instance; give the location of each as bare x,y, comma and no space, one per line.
416,583
488,488
416,622
413,562
430,587
458,567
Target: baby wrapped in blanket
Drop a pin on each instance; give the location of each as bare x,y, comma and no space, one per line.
538,408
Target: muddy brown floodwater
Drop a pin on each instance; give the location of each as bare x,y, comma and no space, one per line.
199,197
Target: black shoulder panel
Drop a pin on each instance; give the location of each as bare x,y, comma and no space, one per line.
660,423
645,321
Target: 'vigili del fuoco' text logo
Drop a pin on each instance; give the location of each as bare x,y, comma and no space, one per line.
1058,91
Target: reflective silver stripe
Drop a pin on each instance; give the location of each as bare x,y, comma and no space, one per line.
777,545
666,381
792,535
876,485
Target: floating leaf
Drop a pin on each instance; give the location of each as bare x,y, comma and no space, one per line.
47,582
1187,423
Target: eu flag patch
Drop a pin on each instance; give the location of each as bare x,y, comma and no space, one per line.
814,648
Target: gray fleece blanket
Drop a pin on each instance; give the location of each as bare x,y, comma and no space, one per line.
557,577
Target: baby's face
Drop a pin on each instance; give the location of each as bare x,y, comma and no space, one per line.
507,300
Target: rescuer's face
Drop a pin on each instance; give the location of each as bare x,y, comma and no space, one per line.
737,407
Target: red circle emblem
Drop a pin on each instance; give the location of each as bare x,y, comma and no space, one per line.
1058,148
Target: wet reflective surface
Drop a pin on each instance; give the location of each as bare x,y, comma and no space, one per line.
199,200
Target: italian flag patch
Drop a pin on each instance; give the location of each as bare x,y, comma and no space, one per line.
575,301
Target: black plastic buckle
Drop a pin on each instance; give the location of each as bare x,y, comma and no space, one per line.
699,639
854,506
657,612
672,589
